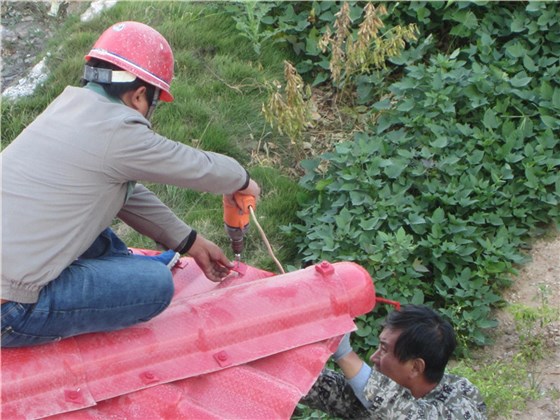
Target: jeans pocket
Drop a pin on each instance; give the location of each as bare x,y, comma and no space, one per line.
13,338
12,314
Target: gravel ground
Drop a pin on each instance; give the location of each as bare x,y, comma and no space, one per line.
26,28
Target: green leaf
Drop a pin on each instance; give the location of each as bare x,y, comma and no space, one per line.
406,106
401,235
495,220
468,19
321,185
382,105
343,219
438,217
520,80
369,224
418,297
548,18
546,90
526,127
534,6
532,180
556,98
551,122
518,23
450,283
487,323
416,219
320,78
419,267
490,121
364,331
358,198
439,143
394,169
476,157
516,50
529,63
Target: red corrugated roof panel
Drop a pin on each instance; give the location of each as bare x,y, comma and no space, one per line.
248,347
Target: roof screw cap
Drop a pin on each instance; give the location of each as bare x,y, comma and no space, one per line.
148,377
324,268
222,358
74,396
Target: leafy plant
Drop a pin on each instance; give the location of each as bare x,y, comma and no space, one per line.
436,198
250,22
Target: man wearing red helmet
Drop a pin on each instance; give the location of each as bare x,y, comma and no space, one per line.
73,170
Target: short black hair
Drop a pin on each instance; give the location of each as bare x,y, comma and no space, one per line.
118,89
423,334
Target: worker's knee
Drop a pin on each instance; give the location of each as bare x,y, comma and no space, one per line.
160,288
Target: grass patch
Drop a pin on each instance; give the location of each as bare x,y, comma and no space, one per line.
509,384
505,385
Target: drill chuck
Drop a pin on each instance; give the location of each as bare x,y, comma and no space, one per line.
236,235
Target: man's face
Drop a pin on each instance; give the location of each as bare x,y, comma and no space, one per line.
387,363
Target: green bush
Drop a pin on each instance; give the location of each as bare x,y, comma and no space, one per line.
437,198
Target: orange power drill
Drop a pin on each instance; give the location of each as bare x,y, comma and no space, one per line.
236,220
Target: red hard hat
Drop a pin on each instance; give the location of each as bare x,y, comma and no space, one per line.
140,50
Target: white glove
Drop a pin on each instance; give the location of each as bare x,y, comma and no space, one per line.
343,348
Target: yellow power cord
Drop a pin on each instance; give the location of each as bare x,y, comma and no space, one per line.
265,240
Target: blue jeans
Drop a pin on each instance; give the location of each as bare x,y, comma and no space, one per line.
105,289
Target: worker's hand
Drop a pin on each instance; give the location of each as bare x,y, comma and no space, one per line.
344,348
210,258
350,363
252,189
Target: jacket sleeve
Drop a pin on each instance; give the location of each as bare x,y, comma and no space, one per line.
145,213
135,152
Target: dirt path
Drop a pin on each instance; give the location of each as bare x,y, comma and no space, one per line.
538,284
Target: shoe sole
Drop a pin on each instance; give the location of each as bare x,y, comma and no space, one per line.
174,260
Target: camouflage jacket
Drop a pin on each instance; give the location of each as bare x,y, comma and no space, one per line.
453,398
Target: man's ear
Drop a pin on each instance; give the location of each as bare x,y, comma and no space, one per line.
418,367
138,96
134,98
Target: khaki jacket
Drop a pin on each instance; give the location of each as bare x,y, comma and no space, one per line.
74,169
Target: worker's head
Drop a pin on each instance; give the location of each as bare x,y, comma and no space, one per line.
131,56
415,345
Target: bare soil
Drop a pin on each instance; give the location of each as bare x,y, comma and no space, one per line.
26,27
537,285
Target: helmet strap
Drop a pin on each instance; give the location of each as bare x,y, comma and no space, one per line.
154,103
107,76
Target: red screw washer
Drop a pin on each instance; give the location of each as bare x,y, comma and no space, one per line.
324,268
222,358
